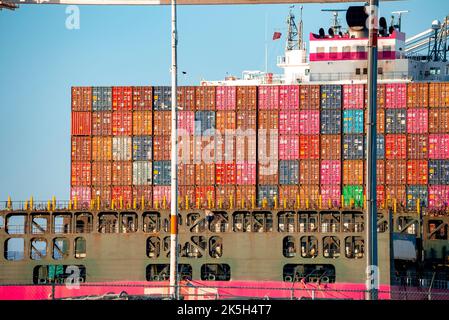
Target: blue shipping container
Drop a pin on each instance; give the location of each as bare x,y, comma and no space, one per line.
161,173
268,193
162,98
204,123
142,148
330,121
331,96
353,147
353,121
414,193
439,172
395,121
288,172
101,98
380,146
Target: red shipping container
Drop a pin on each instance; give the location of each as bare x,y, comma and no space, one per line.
161,148
245,173
122,98
396,95
353,96
81,148
186,98
330,146
225,149
417,95
245,196
186,174
186,196
380,171
353,172
417,146
309,97
330,172
309,172
102,193
225,97
395,192
380,121
142,123
81,98
417,172
205,196
122,123
268,97
102,123
81,173
268,173
82,196
438,197
309,147
81,123
288,147
122,173
288,196
246,98
226,196
125,194
102,148
161,194
143,191
225,173
417,121
439,95
309,122
142,98
101,173
162,123
396,172
246,120
268,120
439,120
380,196
395,146
332,194
205,174
245,148
225,120
309,194
289,97
289,122
205,98
439,146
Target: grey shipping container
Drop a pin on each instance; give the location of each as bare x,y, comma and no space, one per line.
268,193
439,172
162,98
161,173
101,98
380,146
330,121
288,172
353,147
142,175
142,148
121,148
395,121
331,97
414,193
204,123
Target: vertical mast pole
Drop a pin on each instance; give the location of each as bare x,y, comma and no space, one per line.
174,289
371,208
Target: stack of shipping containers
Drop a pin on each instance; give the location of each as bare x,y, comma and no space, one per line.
289,145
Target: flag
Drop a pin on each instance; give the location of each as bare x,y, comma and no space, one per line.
277,35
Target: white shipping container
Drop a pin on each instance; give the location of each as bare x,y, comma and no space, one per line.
121,148
142,173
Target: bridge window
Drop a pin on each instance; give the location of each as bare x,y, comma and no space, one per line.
153,247
215,247
107,223
196,222
288,247
309,247
60,248
408,225
331,247
161,272
220,222
151,222
308,221
15,224
438,230
330,222
80,248
309,273
347,52
129,222
62,223
14,249
59,274
38,249
286,221
39,223
320,53
83,222
215,272
244,221
354,247
194,248
352,222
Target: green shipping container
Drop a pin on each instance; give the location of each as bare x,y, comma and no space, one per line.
354,193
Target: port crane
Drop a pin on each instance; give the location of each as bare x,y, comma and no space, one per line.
371,238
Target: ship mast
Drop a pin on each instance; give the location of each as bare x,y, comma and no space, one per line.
293,40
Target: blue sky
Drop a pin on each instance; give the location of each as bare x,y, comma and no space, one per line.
40,60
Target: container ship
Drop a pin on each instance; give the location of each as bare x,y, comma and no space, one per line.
271,181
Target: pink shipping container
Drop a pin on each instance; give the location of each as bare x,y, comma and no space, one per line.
396,95
268,97
438,197
186,122
439,146
245,173
289,97
330,172
125,193
288,122
288,147
82,195
143,191
225,98
353,96
417,121
81,173
309,122
332,193
159,194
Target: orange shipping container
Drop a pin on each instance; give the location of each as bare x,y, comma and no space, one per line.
381,95
205,98
309,172
142,98
417,146
225,120
396,172
395,192
246,98
186,174
102,148
205,174
205,196
309,97
417,172
102,193
81,149
288,196
417,95
81,98
101,173
81,123
161,148
186,196
330,147
246,120
439,95
122,173
162,123
225,196
380,172
380,121
186,149
142,123
309,195
102,123
439,120
186,98
268,120
353,172
81,173
245,196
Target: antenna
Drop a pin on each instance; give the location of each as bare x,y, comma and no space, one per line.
300,31
399,13
292,36
336,26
